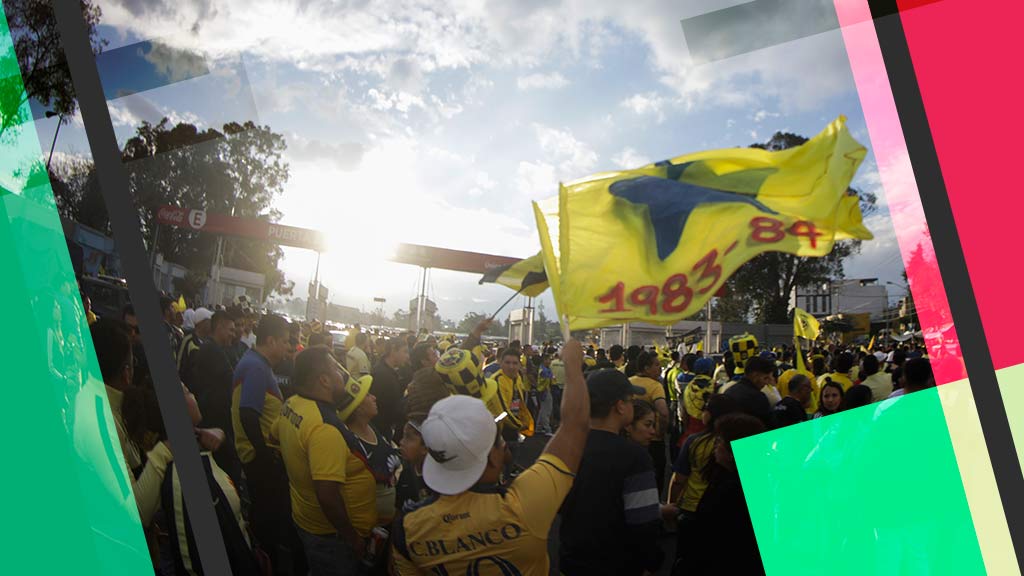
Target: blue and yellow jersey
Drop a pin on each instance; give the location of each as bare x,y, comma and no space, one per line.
255,387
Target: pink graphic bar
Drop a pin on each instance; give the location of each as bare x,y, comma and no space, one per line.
901,191
966,58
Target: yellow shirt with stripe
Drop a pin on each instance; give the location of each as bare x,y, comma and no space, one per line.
484,530
313,448
513,400
655,391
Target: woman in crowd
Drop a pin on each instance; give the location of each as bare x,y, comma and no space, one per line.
643,429
831,399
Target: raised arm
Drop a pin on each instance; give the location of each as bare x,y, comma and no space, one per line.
568,443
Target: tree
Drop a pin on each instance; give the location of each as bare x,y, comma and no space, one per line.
469,321
545,330
237,171
44,68
762,287
401,318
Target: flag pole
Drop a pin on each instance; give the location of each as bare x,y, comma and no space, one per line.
511,298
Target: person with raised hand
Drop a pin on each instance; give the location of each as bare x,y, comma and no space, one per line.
474,524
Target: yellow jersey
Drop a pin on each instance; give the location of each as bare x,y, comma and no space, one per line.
313,448
513,400
655,391
486,530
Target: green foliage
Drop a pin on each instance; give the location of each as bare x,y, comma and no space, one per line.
472,319
236,171
40,55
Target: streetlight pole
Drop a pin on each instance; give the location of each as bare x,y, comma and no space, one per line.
60,120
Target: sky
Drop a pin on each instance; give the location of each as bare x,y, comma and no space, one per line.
438,123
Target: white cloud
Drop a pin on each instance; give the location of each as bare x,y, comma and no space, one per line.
482,184
551,81
345,155
565,158
121,116
130,111
175,65
646,104
762,115
536,179
400,39
628,158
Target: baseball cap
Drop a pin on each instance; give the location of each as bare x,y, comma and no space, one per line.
201,315
459,433
704,366
608,385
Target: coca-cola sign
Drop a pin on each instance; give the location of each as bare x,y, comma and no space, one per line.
171,215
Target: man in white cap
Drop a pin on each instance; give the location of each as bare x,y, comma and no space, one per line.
474,525
194,340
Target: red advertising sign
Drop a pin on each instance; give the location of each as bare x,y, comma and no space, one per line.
256,228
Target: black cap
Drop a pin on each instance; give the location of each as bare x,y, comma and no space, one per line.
609,385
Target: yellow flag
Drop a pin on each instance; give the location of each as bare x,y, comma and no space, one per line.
700,346
526,276
871,345
800,365
805,325
655,243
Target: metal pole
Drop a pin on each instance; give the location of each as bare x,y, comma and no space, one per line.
313,303
707,333
420,300
529,321
215,284
152,251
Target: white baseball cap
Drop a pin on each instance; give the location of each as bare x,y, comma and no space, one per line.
201,315
459,433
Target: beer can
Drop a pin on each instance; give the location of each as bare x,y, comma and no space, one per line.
375,545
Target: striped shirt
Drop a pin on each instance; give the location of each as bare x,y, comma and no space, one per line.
611,517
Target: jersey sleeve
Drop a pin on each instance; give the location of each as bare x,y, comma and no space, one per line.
327,454
540,491
682,463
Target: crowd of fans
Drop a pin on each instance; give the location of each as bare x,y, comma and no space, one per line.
398,455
